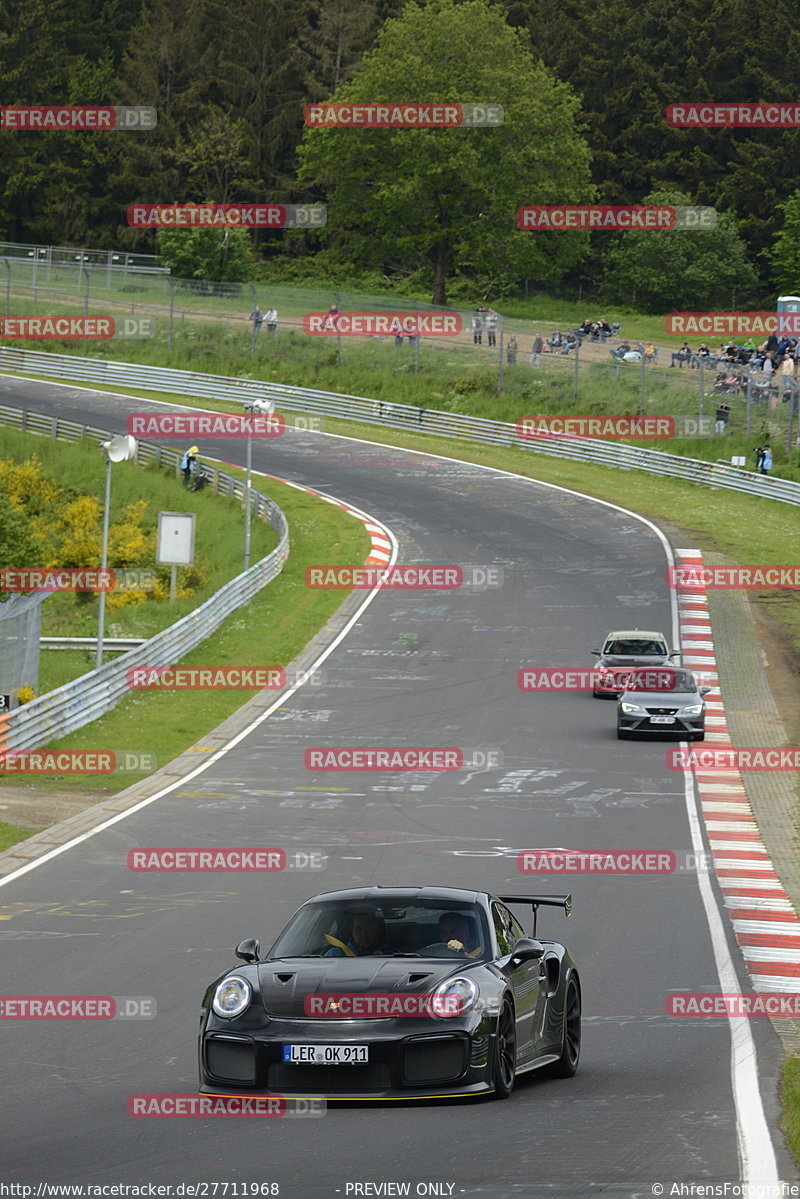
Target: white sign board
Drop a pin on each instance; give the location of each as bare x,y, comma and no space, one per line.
175,539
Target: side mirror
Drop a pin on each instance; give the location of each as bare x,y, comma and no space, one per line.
526,950
676,653
705,690
249,950
596,653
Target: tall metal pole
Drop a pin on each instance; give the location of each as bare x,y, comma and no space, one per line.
500,356
641,390
8,284
247,499
101,620
577,368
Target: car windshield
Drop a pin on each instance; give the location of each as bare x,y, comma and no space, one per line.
434,928
656,678
645,647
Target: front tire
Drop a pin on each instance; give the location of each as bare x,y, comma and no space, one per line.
505,1053
567,1063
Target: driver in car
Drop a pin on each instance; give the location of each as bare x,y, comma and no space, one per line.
367,936
458,931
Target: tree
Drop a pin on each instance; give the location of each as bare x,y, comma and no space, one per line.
447,199
224,255
667,270
785,253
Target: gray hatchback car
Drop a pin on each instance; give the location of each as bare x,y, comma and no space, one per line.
676,707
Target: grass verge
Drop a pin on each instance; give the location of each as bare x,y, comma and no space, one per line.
268,632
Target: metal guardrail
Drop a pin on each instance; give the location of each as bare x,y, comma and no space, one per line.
83,699
110,644
397,416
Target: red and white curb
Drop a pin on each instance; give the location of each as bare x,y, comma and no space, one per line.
764,921
380,553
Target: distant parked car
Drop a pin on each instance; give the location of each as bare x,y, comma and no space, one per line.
624,649
678,711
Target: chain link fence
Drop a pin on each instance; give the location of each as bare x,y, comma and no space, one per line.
20,629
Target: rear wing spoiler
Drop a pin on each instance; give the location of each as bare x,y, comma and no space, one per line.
535,901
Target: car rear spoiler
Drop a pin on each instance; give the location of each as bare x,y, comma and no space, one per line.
550,901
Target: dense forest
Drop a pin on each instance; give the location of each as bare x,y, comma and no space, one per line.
584,88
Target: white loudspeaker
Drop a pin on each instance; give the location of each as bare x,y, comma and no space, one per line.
120,448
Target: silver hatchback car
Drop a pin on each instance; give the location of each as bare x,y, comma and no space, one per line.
675,707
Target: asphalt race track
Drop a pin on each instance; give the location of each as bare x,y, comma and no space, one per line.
652,1103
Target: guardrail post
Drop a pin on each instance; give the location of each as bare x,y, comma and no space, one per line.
748,394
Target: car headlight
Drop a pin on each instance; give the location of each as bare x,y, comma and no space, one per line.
231,997
633,710
454,997
694,710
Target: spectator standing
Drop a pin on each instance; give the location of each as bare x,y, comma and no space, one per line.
787,375
257,317
332,319
272,320
511,350
536,352
477,327
722,416
767,366
187,464
759,453
492,318
766,458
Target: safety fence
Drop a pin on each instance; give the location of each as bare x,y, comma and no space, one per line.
398,416
82,700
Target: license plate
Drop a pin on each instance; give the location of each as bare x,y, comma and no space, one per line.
326,1055
662,719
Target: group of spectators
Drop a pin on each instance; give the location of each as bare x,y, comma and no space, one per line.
258,318
484,319
776,355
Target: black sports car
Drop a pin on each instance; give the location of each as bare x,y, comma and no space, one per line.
394,993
